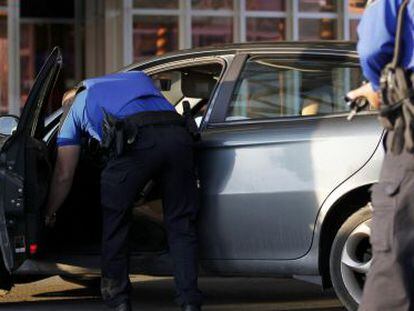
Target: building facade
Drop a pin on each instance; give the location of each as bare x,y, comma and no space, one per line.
100,36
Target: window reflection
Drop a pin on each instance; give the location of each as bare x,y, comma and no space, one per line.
317,5
265,29
154,35
212,30
156,4
212,4
266,5
317,29
3,64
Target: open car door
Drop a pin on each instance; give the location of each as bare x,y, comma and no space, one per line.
25,171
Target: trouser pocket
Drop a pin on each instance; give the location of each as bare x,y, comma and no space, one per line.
384,201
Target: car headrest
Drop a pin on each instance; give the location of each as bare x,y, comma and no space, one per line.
197,85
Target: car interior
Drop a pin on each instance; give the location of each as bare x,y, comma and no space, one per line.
78,226
194,84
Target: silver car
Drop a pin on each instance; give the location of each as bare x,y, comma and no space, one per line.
284,177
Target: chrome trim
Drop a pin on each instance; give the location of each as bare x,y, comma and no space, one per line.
286,119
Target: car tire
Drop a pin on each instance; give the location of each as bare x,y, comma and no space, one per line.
350,258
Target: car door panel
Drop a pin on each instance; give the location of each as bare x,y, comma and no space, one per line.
25,170
263,182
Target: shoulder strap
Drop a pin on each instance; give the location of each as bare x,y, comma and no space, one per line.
399,34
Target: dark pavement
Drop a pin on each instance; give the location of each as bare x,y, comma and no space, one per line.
157,294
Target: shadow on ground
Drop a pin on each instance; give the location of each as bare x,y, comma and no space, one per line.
158,293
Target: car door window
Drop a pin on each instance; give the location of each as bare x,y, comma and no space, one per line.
194,84
275,88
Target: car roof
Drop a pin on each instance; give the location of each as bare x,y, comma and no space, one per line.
327,47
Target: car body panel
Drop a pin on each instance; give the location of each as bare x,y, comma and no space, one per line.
263,184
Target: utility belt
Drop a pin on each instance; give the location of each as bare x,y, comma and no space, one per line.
120,134
397,109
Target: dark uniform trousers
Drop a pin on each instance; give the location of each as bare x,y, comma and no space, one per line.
390,281
164,153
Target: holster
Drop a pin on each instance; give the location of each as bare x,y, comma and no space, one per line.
119,134
116,135
397,113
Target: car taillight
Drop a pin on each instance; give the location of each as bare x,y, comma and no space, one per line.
33,249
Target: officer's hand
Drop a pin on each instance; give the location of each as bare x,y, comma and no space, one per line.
50,220
368,92
69,97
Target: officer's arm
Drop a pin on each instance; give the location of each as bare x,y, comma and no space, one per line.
68,142
376,33
66,162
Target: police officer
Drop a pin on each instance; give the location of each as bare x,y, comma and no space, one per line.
390,282
145,139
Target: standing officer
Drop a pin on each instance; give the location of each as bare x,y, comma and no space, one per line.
390,282
146,138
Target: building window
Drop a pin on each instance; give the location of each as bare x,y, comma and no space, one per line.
45,24
154,35
317,20
212,4
317,5
37,41
209,30
156,4
196,23
317,29
265,20
155,27
211,22
266,5
265,29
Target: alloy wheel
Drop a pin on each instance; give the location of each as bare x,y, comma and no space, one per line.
356,260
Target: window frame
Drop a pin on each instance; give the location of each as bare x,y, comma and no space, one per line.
219,119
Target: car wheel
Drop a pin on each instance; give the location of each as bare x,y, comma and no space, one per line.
350,258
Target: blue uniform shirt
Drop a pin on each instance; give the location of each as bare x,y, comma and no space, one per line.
120,94
376,33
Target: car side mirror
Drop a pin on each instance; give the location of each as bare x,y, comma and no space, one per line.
8,124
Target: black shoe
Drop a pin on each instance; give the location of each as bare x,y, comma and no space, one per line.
126,306
191,308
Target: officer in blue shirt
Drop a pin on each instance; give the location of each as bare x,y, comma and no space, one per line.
390,282
154,144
